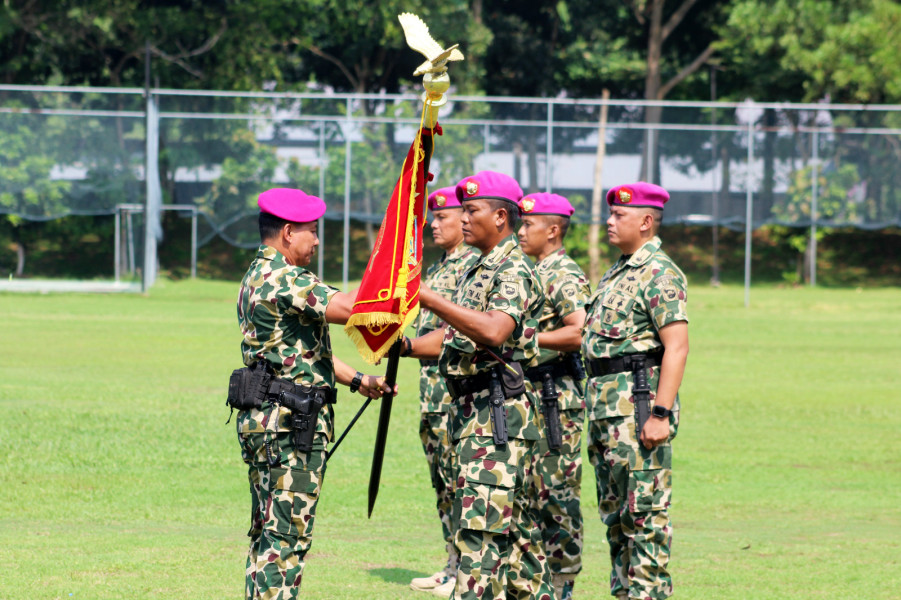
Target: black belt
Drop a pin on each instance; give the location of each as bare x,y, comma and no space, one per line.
598,367
558,368
461,386
276,386
427,363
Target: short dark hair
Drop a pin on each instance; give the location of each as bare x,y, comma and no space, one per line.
270,225
658,217
561,222
512,210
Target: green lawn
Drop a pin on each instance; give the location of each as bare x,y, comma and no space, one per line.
120,478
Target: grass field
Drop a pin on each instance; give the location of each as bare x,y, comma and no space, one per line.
120,478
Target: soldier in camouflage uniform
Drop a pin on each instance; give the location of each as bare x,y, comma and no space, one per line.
495,310
434,400
557,471
637,328
284,311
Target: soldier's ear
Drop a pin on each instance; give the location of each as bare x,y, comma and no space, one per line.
286,231
647,222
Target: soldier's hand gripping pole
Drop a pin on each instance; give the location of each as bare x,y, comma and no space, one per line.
551,410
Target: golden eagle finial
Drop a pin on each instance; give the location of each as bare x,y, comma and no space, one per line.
418,38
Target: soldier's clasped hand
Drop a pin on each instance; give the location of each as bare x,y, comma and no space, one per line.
374,386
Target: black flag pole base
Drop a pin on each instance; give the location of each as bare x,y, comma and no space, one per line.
381,435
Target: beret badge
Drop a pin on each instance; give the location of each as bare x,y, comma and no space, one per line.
472,188
528,204
440,200
625,196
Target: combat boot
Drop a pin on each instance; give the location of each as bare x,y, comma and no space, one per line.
563,586
427,584
445,589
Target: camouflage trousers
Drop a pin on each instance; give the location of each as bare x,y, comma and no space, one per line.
284,488
634,493
555,495
501,554
441,456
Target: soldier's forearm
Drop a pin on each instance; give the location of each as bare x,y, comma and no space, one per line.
565,339
672,365
490,328
427,346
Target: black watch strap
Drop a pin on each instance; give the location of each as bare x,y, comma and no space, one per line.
355,384
660,412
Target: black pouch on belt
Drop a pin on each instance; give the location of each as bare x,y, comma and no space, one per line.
247,387
513,382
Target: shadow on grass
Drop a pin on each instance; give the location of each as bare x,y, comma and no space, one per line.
396,575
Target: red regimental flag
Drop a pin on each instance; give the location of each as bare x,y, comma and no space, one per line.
388,299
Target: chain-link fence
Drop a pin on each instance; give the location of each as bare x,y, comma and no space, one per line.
86,151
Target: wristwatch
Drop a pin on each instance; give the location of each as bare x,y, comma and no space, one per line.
355,384
660,412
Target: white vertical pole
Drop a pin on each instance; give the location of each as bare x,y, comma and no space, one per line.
152,225
346,254
550,147
322,163
749,199
813,210
117,252
487,142
194,243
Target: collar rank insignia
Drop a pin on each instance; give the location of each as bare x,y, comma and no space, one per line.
625,196
440,200
528,204
472,188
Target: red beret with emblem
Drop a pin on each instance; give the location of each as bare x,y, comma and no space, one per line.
639,195
546,204
446,197
291,205
489,185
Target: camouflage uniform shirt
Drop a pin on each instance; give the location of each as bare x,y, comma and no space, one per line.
637,296
441,277
502,280
281,312
566,290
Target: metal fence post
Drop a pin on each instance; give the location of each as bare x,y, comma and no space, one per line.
194,243
117,251
550,147
813,209
322,162
749,212
346,250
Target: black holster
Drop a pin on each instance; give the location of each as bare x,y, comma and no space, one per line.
498,409
576,369
304,409
550,410
641,392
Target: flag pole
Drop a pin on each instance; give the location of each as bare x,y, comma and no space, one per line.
381,436
436,82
